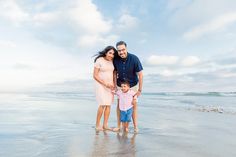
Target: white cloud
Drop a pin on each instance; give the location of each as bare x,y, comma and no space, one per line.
162,60
190,61
81,16
11,11
167,73
91,26
176,4
45,18
93,40
214,25
22,66
88,18
32,63
7,44
126,21
227,75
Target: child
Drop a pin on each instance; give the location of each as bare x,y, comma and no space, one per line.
125,99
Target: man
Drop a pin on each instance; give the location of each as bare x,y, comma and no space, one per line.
128,68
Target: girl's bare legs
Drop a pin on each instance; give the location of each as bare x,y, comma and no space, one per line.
106,117
126,126
123,126
99,115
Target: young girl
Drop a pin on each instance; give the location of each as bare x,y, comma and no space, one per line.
125,99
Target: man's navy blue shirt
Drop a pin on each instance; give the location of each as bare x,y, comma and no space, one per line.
127,69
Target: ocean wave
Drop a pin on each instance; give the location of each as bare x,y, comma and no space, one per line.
213,108
63,95
214,94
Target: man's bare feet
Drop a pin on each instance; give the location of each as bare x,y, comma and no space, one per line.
136,130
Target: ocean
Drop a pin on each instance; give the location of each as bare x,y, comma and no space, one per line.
61,124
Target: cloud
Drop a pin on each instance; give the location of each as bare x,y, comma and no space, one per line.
22,66
176,4
214,25
228,58
11,11
75,20
228,75
192,81
7,44
189,67
32,63
126,22
190,61
188,74
82,13
162,60
87,17
45,18
167,73
90,40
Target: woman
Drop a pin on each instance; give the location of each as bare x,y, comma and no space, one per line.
104,84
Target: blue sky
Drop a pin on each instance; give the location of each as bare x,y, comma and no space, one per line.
184,45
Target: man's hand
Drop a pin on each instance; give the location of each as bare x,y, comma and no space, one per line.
138,93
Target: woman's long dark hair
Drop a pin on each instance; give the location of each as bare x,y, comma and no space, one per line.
104,52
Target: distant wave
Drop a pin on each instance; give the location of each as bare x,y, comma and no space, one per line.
204,94
90,95
64,95
215,94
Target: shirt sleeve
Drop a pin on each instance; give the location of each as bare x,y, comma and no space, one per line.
138,65
118,93
97,64
133,93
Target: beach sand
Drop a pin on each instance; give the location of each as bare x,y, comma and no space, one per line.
46,126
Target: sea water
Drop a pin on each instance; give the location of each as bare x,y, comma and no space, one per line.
61,124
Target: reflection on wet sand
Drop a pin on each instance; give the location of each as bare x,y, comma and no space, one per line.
126,144
101,144
105,144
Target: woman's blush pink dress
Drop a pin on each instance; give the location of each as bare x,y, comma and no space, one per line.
104,95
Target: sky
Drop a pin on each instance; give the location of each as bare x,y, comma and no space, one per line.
184,45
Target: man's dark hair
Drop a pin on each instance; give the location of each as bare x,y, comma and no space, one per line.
121,43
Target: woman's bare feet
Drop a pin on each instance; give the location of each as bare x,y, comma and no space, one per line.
99,128
107,128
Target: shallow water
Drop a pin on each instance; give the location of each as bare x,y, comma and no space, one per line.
62,125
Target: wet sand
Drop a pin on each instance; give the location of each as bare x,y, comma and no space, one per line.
63,127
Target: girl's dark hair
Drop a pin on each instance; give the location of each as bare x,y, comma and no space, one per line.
125,82
104,52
